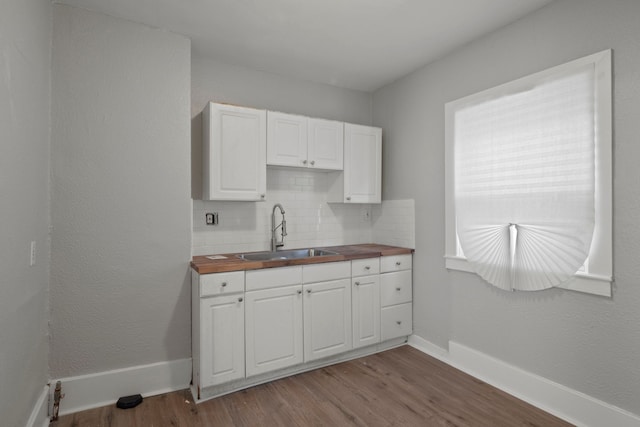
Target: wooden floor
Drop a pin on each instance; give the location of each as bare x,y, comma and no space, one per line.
399,387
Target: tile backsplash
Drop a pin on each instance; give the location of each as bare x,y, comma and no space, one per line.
394,223
311,221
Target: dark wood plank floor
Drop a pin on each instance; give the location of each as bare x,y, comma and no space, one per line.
399,387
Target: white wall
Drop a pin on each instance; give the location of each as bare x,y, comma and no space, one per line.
25,32
311,220
121,212
585,342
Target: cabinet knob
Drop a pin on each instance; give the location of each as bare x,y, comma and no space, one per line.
223,284
240,299
299,291
357,283
366,267
313,162
398,289
304,162
308,291
399,322
398,263
348,197
262,196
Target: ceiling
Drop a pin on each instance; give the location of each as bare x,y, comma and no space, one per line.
357,44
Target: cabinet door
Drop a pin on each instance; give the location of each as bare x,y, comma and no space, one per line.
327,319
362,164
396,321
395,288
395,263
366,310
234,153
222,339
326,144
286,139
273,329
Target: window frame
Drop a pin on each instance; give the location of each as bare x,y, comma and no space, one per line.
596,277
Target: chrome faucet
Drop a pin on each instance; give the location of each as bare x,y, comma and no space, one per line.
283,228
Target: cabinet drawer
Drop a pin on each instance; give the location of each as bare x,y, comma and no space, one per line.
221,283
396,321
365,267
273,278
326,271
395,288
395,263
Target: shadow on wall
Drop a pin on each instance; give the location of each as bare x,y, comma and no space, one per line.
179,323
196,157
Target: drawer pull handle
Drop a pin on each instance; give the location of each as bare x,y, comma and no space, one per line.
366,267
399,322
240,299
398,289
398,263
224,284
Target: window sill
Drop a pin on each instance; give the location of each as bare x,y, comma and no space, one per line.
581,282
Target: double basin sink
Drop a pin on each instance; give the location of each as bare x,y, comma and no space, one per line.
287,254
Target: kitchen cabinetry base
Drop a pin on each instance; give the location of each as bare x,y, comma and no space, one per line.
203,394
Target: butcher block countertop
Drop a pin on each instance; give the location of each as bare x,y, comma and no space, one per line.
231,262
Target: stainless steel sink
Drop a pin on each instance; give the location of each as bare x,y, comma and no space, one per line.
288,254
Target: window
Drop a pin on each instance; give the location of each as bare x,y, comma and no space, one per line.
528,180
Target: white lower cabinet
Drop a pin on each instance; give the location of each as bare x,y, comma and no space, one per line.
273,329
366,310
327,319
222,337
248,323
396,321
217,328
396,296
365,289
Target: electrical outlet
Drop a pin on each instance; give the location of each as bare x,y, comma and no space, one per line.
32,260
211,218
366,214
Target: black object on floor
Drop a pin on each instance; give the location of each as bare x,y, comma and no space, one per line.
128,402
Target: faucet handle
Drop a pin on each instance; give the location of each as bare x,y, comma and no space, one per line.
284,226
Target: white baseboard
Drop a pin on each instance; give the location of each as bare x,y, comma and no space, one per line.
429,348
557,399
104,388
40,414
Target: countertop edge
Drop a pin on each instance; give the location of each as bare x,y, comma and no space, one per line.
203,265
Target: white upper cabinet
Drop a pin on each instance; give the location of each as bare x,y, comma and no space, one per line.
326,144
286,139
234,153
361,181
299,141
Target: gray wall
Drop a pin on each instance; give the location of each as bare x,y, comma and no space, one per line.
25,32
121,212
585,342
215,81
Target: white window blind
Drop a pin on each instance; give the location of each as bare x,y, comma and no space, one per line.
524,180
